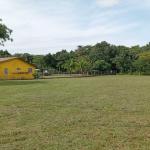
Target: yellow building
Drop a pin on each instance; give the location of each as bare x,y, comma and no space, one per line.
16,68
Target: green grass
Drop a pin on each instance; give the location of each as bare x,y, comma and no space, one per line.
97,113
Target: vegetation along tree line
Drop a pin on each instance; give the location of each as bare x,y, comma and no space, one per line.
101,58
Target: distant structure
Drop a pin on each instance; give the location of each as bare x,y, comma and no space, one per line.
13,68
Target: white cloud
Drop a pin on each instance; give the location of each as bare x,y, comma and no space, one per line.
48,26
108,3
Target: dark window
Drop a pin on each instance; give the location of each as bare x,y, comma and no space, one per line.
6,71
18,69
30,70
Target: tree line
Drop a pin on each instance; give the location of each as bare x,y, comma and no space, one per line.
102,58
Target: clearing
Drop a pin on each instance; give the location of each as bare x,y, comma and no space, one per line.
95,113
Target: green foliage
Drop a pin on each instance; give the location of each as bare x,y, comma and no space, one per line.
83,65
5,33
49,61
124,59
61,58
101,58
25,56
101,65
37,74
4,54
142,64
38,60
70,66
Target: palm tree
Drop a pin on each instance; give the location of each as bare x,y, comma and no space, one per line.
70,65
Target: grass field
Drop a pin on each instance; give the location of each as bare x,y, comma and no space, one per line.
97,113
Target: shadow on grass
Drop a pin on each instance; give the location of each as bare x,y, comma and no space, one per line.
20,82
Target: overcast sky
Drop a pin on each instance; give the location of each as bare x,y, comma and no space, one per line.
43,26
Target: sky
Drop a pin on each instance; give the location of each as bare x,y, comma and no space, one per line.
48,26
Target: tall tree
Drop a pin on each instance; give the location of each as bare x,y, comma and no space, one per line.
5,33
83,65
49,61
142,64
101,65
124,59
70,66
61,57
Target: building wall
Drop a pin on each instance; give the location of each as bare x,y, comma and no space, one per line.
16,69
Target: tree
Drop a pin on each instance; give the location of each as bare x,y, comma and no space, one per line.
104,51
4,53
5,33
101,65
124,59
142,64
25,56
61,57
38,60
101,57
70,66
100,52
50,61
146,47
83,51
83,65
